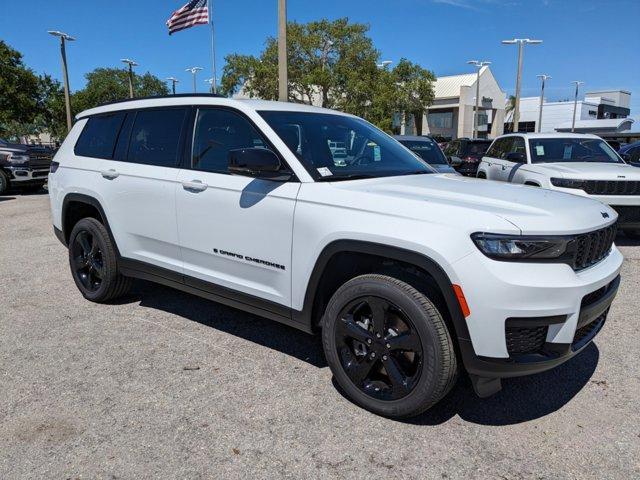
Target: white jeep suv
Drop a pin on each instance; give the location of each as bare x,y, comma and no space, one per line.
411,276
572,163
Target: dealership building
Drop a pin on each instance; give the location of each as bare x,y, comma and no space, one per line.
451,114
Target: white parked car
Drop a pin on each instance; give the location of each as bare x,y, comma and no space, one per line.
412,277
572,163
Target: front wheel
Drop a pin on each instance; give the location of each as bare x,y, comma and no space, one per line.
388,346
4,182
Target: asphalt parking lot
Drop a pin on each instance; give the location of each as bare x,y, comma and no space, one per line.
166,385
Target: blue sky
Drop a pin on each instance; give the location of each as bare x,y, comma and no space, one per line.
594,41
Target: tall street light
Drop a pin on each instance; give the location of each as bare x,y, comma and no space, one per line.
479,66
211,84
577,83
64,37
131,64
521,42
544,78
384,64
283,90
193,71
173,81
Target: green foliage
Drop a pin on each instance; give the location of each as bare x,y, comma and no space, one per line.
111,84
333,64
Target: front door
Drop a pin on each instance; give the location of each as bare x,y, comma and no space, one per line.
234,231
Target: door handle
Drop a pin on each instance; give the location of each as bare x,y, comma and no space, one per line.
109,174
195,186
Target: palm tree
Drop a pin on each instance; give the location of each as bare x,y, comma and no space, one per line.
508,110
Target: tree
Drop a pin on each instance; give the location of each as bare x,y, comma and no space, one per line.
332,64
18,90
111,84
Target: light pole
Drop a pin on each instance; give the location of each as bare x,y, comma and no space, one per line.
384,64
479,66
283,90
173,81
211,84
544,78
577,83
521,42
65,75
131,64
193,71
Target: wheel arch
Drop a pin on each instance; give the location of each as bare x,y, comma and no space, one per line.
387,256
76,206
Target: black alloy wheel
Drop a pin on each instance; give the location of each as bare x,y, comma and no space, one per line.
379,348
88,262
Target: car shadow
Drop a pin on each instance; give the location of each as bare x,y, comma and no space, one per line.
253,328
623,241
2,198
521,399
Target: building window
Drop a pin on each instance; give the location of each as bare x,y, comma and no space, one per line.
440,120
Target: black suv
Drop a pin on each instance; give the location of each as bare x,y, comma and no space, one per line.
25,166
465,154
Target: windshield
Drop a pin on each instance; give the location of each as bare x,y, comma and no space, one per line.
334,147
426,149
546,150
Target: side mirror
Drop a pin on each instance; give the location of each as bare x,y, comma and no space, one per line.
517,157
256,162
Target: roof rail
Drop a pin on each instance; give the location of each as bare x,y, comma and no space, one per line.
156,97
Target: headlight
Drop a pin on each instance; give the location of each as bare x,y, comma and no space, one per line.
13,158
568,183
518,247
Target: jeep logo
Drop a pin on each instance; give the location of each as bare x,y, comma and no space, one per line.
604,214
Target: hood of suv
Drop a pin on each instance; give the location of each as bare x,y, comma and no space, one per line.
588,170
467,202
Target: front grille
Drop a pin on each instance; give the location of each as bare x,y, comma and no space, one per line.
521,340
627,214
592,247
612,187
585,333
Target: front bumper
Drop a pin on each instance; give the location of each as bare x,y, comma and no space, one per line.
27,174
549,307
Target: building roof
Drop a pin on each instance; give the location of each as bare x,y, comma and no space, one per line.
447,87
599,124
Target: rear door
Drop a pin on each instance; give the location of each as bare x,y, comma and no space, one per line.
491,162
235,231
138,185
513,156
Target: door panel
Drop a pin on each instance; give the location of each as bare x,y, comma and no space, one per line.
234,231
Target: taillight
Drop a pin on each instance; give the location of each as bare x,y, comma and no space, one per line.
54,166
470,160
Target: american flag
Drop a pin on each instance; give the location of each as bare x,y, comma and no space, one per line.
196,12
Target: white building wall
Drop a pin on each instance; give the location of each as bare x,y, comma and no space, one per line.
555,113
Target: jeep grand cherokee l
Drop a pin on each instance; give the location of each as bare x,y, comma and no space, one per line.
412,277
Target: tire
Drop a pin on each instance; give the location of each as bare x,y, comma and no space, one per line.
426,362
4,183
93,262
482,175
633,234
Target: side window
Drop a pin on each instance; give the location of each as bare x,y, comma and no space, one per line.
634,154
452,148
98,138
518,148
495,150
155,137
217,132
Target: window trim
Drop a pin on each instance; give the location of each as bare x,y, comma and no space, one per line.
188,161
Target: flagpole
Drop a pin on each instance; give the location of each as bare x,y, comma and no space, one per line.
213,48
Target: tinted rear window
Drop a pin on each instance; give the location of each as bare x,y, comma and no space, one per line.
155,137
98,138
426,149
476,148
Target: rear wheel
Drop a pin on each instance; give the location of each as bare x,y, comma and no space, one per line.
4,182
388,346
93,262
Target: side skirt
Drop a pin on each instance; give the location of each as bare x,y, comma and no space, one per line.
211,291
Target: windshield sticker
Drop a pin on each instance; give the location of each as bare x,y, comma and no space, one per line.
540,150
376,154
567,152
324,172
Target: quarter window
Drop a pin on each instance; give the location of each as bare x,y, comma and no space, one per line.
98,138
155,137
217,132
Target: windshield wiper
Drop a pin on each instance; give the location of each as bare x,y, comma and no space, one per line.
351,176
